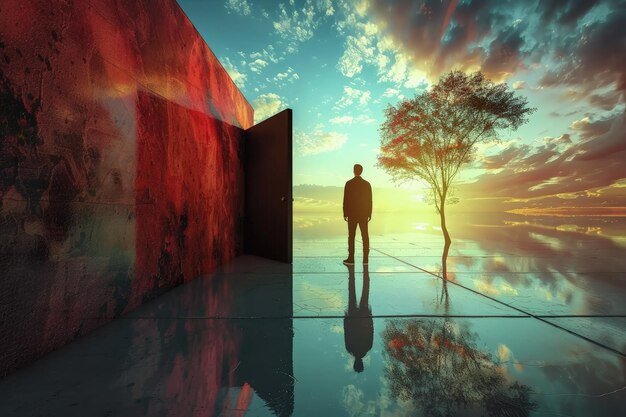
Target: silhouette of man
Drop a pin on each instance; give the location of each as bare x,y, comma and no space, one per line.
358,325
357,210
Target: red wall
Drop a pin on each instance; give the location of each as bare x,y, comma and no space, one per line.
120,164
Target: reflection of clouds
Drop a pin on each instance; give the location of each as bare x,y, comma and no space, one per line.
322,299
547,240
591,375
550,262
421,226
336,329
504,353
322,225
355,404
392,269
487,287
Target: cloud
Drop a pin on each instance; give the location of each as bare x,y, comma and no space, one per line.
609,143
326,6
390,92
358,49
266,54
353,96
564,139
342,120
558,167
303,204
557,114
267,105
604,101
365,119
348,120
237,76
288,76
505,54
397,72
319,141
368,44
241,7
296,25
589,128
590,60
580,124
477,34
519,85
502,159
257,65
439,36
565,12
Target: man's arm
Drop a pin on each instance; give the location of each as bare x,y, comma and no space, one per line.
345,209
369,202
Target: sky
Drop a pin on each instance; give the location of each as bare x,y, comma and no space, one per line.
339,63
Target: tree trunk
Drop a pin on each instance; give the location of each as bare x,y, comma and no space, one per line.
442,216
444,260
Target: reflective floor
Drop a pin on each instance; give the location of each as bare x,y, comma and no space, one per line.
531,320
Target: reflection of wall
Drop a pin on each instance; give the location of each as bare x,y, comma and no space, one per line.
172,363
266,346
120,168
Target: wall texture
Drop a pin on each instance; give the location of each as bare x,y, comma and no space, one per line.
121,170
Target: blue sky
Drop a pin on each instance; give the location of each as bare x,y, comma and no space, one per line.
339,63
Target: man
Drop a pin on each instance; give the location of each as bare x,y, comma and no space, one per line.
357,210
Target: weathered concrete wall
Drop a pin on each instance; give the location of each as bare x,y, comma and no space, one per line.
120,164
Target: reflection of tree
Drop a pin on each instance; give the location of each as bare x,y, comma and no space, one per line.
445,299
435,365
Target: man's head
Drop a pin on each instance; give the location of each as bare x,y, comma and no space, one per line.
358,169
358,365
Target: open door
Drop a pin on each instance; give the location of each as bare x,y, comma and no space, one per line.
268,211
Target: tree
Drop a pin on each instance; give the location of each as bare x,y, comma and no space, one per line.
430,136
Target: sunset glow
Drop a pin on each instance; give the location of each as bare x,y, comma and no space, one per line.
340,63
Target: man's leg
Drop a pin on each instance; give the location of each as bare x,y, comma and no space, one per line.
366,240
351,235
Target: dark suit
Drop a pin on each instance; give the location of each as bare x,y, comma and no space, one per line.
357,207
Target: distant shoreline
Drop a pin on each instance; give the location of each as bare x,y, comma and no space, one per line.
571,211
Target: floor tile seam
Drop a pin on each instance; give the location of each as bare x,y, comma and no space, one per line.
622,354
329,316
539,316
317,272
423,270
436,255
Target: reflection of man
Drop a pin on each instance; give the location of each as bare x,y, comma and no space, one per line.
358,325
357,210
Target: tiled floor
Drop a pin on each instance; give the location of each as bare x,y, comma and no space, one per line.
534,325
